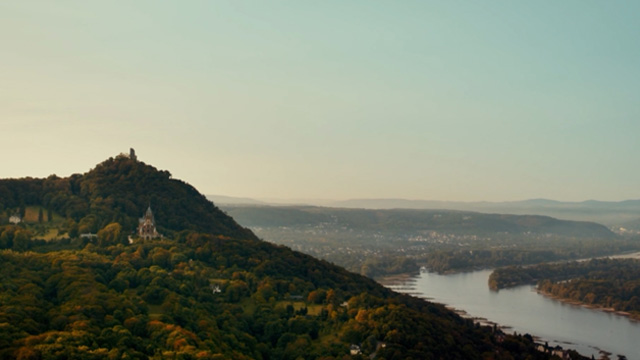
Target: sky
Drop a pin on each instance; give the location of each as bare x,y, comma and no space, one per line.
434,100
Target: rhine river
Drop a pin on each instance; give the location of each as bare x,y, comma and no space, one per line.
523,310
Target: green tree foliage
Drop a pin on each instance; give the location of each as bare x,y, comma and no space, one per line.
208,290
119,190
133,301
607,283
557,272
15,237
110,235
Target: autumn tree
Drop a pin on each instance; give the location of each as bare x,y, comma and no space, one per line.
110,234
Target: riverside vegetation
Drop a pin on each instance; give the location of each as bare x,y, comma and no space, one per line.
209,289
604,283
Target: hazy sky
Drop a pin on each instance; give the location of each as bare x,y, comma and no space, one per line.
448,100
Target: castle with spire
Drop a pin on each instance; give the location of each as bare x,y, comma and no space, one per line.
147,226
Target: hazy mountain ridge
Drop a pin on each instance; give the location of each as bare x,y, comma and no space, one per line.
609,213
232,200
414,220
604,212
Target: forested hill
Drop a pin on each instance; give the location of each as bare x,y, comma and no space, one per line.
209,289
410,220
120,190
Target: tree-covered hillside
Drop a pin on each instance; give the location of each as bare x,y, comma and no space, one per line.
120,190
208,290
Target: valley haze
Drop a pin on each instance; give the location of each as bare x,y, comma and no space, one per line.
624,214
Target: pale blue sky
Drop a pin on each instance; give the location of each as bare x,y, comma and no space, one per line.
449,100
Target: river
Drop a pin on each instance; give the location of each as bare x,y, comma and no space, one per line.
523,310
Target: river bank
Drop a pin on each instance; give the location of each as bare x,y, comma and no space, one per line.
395,279
631,316
521,309
408,284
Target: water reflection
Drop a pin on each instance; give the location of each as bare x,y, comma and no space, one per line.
525,311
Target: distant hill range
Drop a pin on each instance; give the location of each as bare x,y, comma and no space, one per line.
609,213
413,220
230,200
